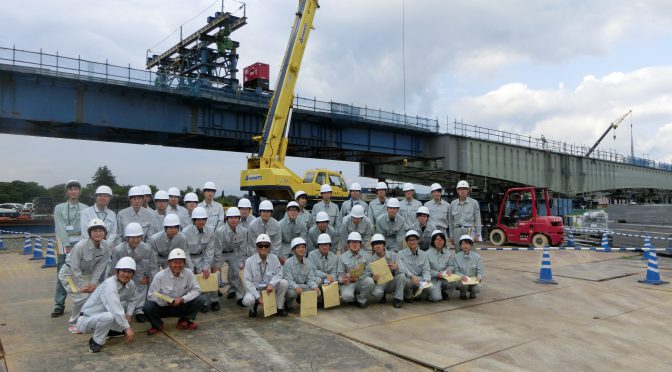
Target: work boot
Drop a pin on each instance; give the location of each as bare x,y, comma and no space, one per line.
383,300
396,303
472,294
58,311
114,334
239,302
463,295
253,310
214,306
219,293
282,312
140,318
93,346
230,295
182,323
152,331
360,305
205,308
445,296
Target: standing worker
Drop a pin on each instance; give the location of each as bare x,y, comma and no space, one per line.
304,215
465,216
174,208
231,246
161,204
246,216
201,249
291,227
325,205
135,213
322,227
190,202
391,226
162,243
215,209
67,228
438,208
268,225
147,197
101,211
424,227
357,221
355,199
408,206
377,206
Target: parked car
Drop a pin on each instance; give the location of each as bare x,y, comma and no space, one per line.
16,206
8,212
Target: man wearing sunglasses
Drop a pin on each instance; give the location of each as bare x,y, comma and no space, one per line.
263,272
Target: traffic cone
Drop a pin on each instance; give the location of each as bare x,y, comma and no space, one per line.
605,242
545,273
570,238
27,245
50,258
652,274
647,252
2,244
37,249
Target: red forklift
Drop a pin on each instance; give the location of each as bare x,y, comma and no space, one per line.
525,218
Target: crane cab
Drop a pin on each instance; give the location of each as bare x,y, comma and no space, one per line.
314,178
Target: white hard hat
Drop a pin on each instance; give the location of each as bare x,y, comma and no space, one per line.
357,211
435,186
73,183
125,263
177,253
422,210
325,188
439,232
462,184
293,204
161,195
96,222
381,186
244,203
299,193
171,220
393,203
355,187
232,212
324,239
174,191
135,191
410,233
355,236
104,190
408,187
199,212
266,205
210,186
322,217
133,229
191,197
263,238
377,238
297,241
146,190
467,237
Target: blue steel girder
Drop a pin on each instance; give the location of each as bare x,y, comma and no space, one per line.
57,106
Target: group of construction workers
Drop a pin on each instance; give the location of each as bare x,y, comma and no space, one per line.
143,263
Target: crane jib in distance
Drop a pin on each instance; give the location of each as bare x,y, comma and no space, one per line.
613,125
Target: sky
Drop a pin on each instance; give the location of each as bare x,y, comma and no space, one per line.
562,69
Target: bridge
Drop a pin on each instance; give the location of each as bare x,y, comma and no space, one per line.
55,96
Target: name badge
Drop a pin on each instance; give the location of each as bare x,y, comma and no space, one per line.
69,228
261,285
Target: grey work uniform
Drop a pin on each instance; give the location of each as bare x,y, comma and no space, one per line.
107,215
470,265
464,219
413,264
245,222
258,274
140,255
407,210
291,229
362,288
107,308
67,227
396,285
393,231
324,265
299,274
231,247
332,211
85,264
425,233
364,228
438,214
182,214
127,215
315,232
215,214
271,228
201,250
438,262
347,205
376,209
160,246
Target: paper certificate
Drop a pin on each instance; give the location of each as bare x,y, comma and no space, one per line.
380,268
422,286
452,277
470,281
330,295
241,275
71,285
161,296
270,307
308,303
208,285
358,270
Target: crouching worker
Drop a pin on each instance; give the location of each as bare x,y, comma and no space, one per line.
263,272
356,282
108,311
439,258
396,285
467,263
300,273
178,284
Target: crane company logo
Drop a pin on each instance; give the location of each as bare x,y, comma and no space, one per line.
253,177
303,33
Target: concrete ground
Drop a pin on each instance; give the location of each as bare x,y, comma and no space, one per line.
598,317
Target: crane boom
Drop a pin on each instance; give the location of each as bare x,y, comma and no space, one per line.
613,125
273,141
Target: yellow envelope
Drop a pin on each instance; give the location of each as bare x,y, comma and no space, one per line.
471,281
452,277
72,286
241,275
208,285
270,306
330,295
380,268
308,303
358,270
163,297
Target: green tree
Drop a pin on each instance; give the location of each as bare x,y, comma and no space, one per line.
20,191
103,176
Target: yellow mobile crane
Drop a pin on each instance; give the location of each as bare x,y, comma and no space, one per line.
266,174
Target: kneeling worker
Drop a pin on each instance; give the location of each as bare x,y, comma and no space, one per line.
299,273
108,311
263,272
355,287
395,285
414,264
467,263
179,284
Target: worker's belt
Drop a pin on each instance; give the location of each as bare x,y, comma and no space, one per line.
227,251
196,254
462,226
